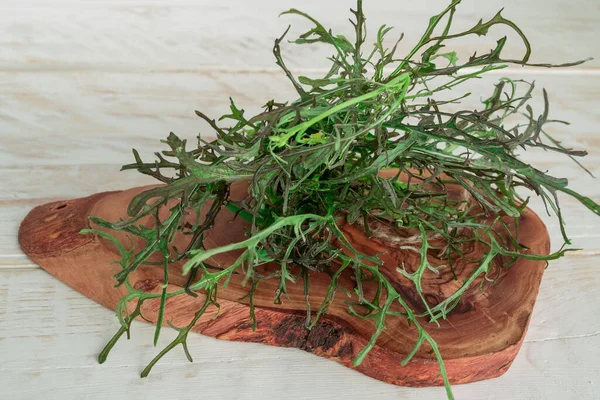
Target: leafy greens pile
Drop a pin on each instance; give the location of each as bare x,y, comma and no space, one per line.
315,158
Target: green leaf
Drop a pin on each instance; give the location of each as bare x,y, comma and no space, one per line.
451,57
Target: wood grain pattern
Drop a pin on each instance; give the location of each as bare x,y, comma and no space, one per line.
479,340
237,35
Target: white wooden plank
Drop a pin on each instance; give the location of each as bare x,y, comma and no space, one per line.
88,118
539,373
96,117
565,305
191,35
49,334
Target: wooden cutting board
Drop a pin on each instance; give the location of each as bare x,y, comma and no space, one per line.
479,339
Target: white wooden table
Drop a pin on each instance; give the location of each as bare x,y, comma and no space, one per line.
81,82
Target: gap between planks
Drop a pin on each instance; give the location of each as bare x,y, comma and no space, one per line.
20,68
582,336
201,361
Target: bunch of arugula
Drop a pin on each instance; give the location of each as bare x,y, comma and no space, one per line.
313,159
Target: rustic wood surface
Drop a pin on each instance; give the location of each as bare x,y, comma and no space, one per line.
84,81
479,340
